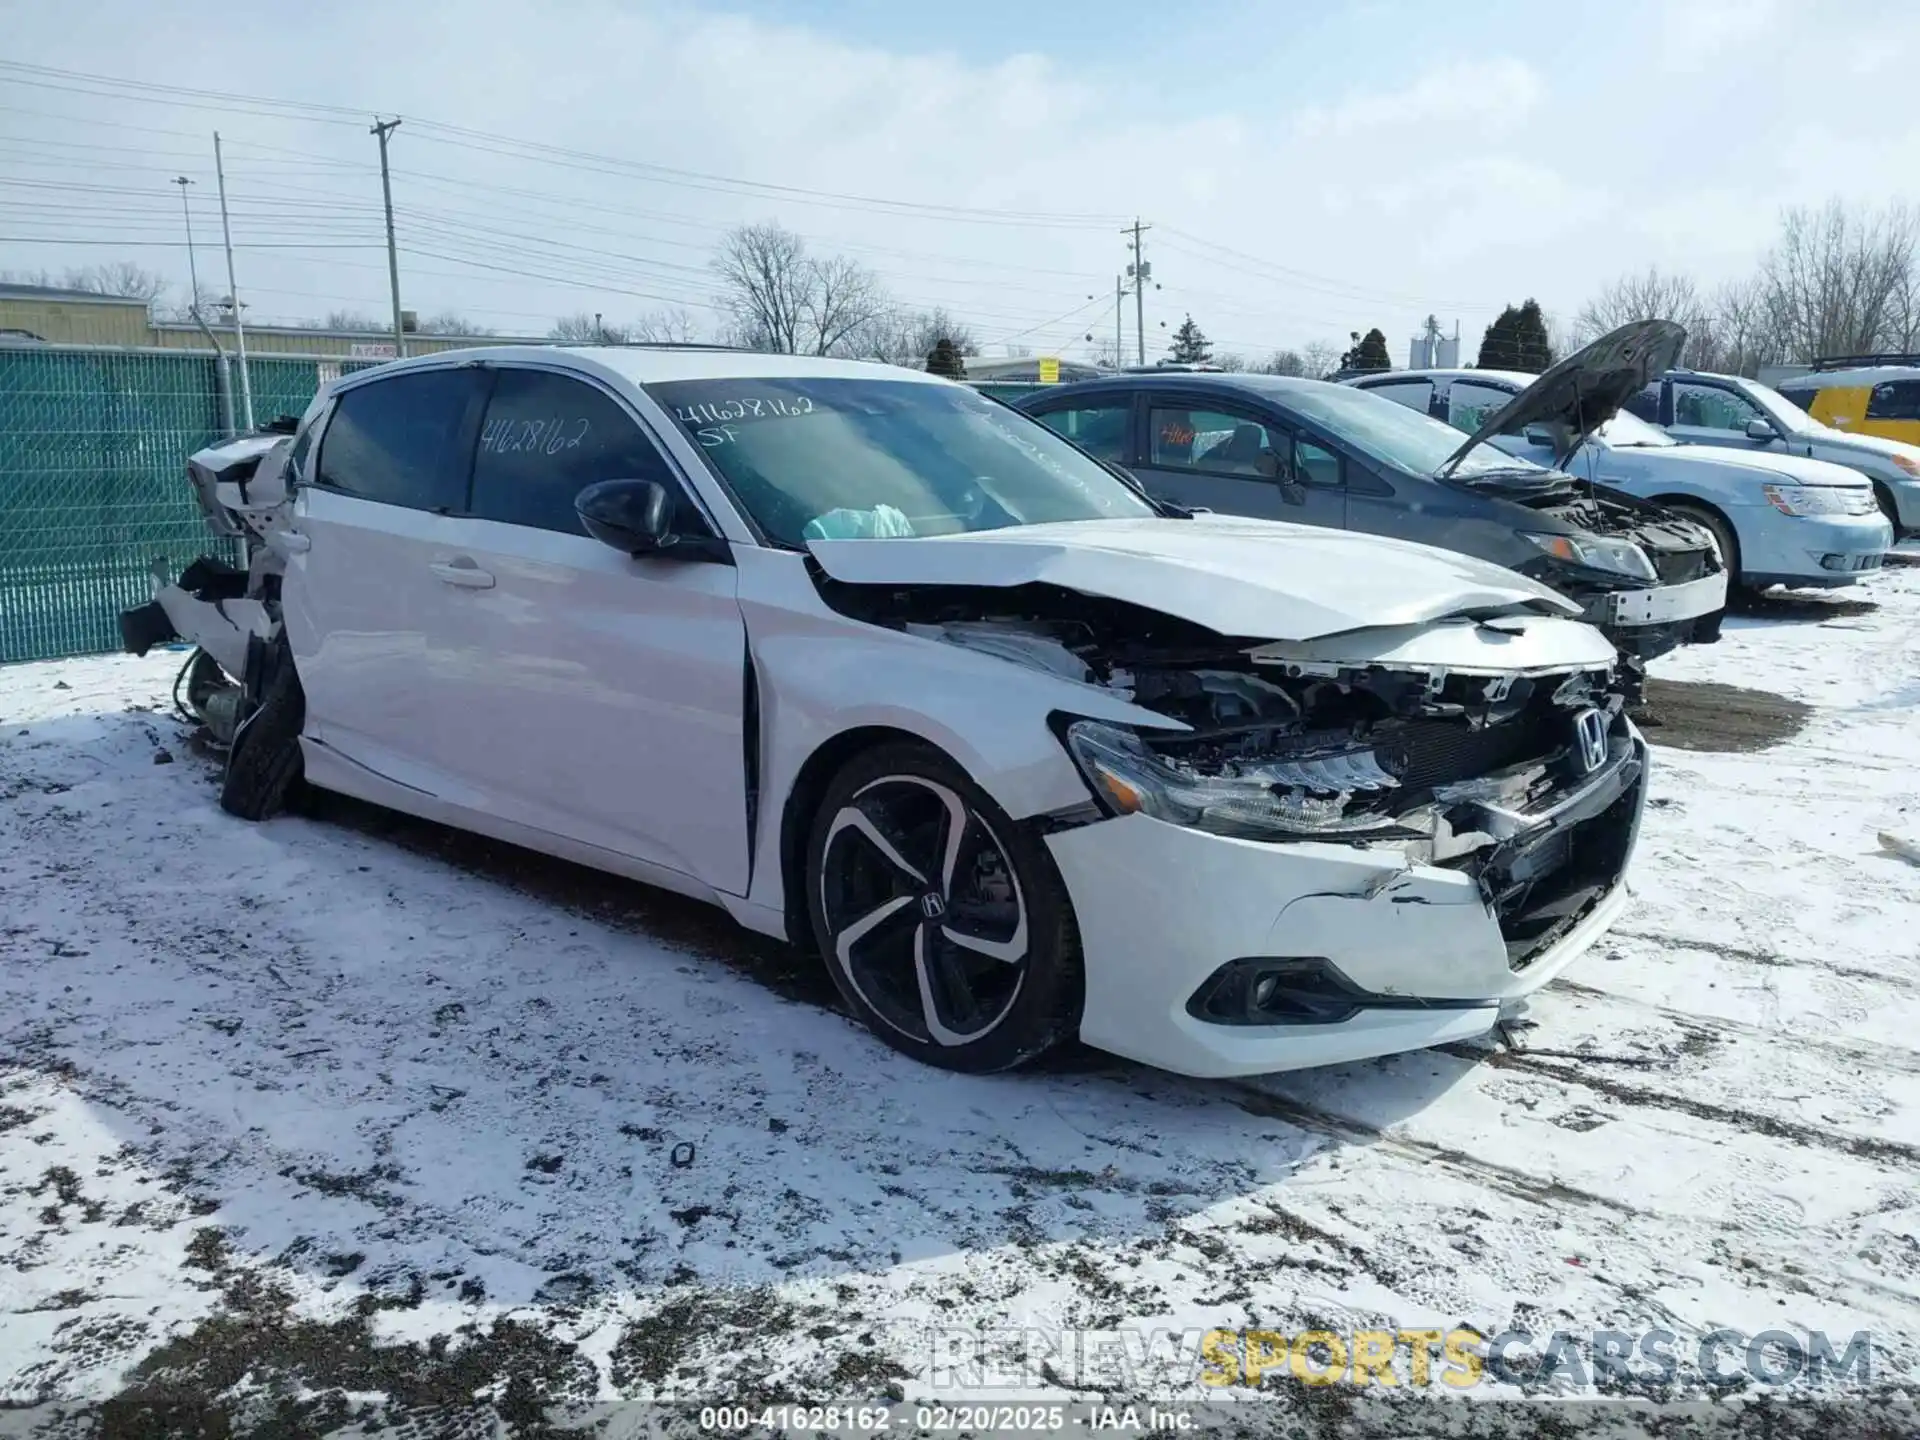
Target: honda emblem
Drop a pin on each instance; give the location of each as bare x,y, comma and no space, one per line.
1589,740
932,906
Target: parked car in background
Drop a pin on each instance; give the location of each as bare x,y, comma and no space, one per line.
1865,419
1325,454
1779,519
1862,395
884,667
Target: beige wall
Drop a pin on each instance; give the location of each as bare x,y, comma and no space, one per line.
76,322
90,322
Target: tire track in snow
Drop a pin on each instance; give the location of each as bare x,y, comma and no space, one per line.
1893,1152
1863,1053
1772,960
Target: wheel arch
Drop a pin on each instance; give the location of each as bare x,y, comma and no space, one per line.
803,800
1683,501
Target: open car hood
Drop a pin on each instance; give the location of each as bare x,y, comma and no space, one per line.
1252,579
1585,390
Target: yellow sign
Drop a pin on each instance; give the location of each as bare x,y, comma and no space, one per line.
1049,370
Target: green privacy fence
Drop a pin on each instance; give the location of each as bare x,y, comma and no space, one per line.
93,487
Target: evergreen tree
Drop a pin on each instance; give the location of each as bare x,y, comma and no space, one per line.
1517,340
1368,353
1190,346
945,360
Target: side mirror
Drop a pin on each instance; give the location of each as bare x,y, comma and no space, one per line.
1761,430
1538,435
635,516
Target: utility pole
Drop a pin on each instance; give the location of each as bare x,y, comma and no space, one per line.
233,289
384,128
193,269
1141,272
1119,320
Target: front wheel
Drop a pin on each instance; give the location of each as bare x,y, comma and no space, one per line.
946,928
1723,535
264,764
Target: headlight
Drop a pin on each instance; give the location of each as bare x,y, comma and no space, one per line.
1908,464
1300,795
1821,499
1622,557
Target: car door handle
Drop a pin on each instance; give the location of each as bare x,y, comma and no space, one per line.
463,573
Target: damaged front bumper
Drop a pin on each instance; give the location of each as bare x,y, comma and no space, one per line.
1648,623
1279,956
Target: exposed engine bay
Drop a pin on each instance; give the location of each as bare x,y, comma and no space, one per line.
1493,772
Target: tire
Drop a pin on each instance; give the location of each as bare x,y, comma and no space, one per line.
963,954
1884,498
264,764
1722,533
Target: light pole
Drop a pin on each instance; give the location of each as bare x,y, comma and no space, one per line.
193,269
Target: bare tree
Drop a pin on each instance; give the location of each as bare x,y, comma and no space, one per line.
1319,357
841,296
451,322
1106,355
122,278
767,283
672,326
1284,362
1230,362
580,328
349,320
1653,296
1836,280
906,337
1742,337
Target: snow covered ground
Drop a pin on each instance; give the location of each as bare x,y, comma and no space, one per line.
355,1106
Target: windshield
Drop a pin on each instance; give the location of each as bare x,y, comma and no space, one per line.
1784,413
834,459
1387,430
1628,430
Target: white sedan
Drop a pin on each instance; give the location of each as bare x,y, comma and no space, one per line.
892,671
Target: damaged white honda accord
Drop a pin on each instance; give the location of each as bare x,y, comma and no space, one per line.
891,670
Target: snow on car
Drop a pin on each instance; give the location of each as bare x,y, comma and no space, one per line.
880,665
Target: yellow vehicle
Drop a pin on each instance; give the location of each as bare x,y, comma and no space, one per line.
1862,395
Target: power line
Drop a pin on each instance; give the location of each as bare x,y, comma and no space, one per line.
443,132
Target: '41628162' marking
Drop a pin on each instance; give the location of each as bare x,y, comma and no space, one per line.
548,436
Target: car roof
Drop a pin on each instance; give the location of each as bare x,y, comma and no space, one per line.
647,365
1863,375
1188,382
1510,377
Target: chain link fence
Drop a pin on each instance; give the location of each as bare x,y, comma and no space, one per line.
93,487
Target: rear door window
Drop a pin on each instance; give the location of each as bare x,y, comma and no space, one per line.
1099,428
402,440
1894,400
1645,404
1414,394
1214,442
545,438
1470,402
1708,407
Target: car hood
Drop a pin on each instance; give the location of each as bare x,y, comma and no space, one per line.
1766,465
1252,579
1585,390
1831,439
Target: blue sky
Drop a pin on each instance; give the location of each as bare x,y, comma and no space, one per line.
1309,168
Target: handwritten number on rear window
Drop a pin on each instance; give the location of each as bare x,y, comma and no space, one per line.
549,435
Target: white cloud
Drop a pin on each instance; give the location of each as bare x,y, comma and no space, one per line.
1459,180
1486,95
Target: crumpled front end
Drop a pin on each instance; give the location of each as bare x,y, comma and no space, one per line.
1683,601
1341,859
